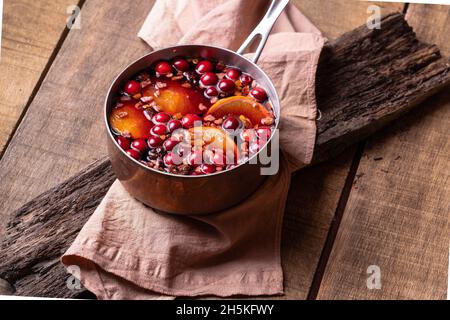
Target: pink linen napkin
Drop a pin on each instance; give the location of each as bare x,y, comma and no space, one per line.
129,251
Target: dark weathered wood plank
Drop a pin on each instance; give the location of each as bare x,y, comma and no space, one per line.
372,77
397,216
321,199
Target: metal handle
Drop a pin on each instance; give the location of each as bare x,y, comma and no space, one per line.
264,27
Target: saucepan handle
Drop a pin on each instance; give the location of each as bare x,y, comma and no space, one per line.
264,27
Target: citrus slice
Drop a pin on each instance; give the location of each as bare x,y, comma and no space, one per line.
174,97
210,138
127,120
237,106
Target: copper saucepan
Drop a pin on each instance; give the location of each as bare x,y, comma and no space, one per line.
194,194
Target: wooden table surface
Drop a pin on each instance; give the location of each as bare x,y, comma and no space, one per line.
382,205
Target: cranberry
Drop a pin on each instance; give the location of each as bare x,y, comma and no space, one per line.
248,135
259,94
264,133
161,117
159,130
246,80
132,87
134,154
168,159
226,85
154,142
204,66
211,92
139,145
181,64
233,74
220,67
195,157
231,123
174,125
123,142
208,168
170,144
189,120
209,79
163,68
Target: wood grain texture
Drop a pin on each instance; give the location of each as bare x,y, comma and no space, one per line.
431,24
62,131
31,31
372,77
334,17
310,209
49,224
397,216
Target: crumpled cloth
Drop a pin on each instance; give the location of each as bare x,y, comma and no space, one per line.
129,251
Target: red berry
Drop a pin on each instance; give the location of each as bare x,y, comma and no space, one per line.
259,94
209,79
134,154
123,142
226,85
174,125
132,87
195,157
170,144
264,133
190,120
246,80
154,142
163,68
204,66
233,74
211,92
161,117
139,145
168,159
220,67
159,130
231,123
181,64
208,168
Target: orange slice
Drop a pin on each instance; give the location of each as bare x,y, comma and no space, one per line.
214,139
237,106
129,121
175,98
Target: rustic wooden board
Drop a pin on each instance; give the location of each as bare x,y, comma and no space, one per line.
431,23
51,143
397,216
31,31
315,192
334,17
37,271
